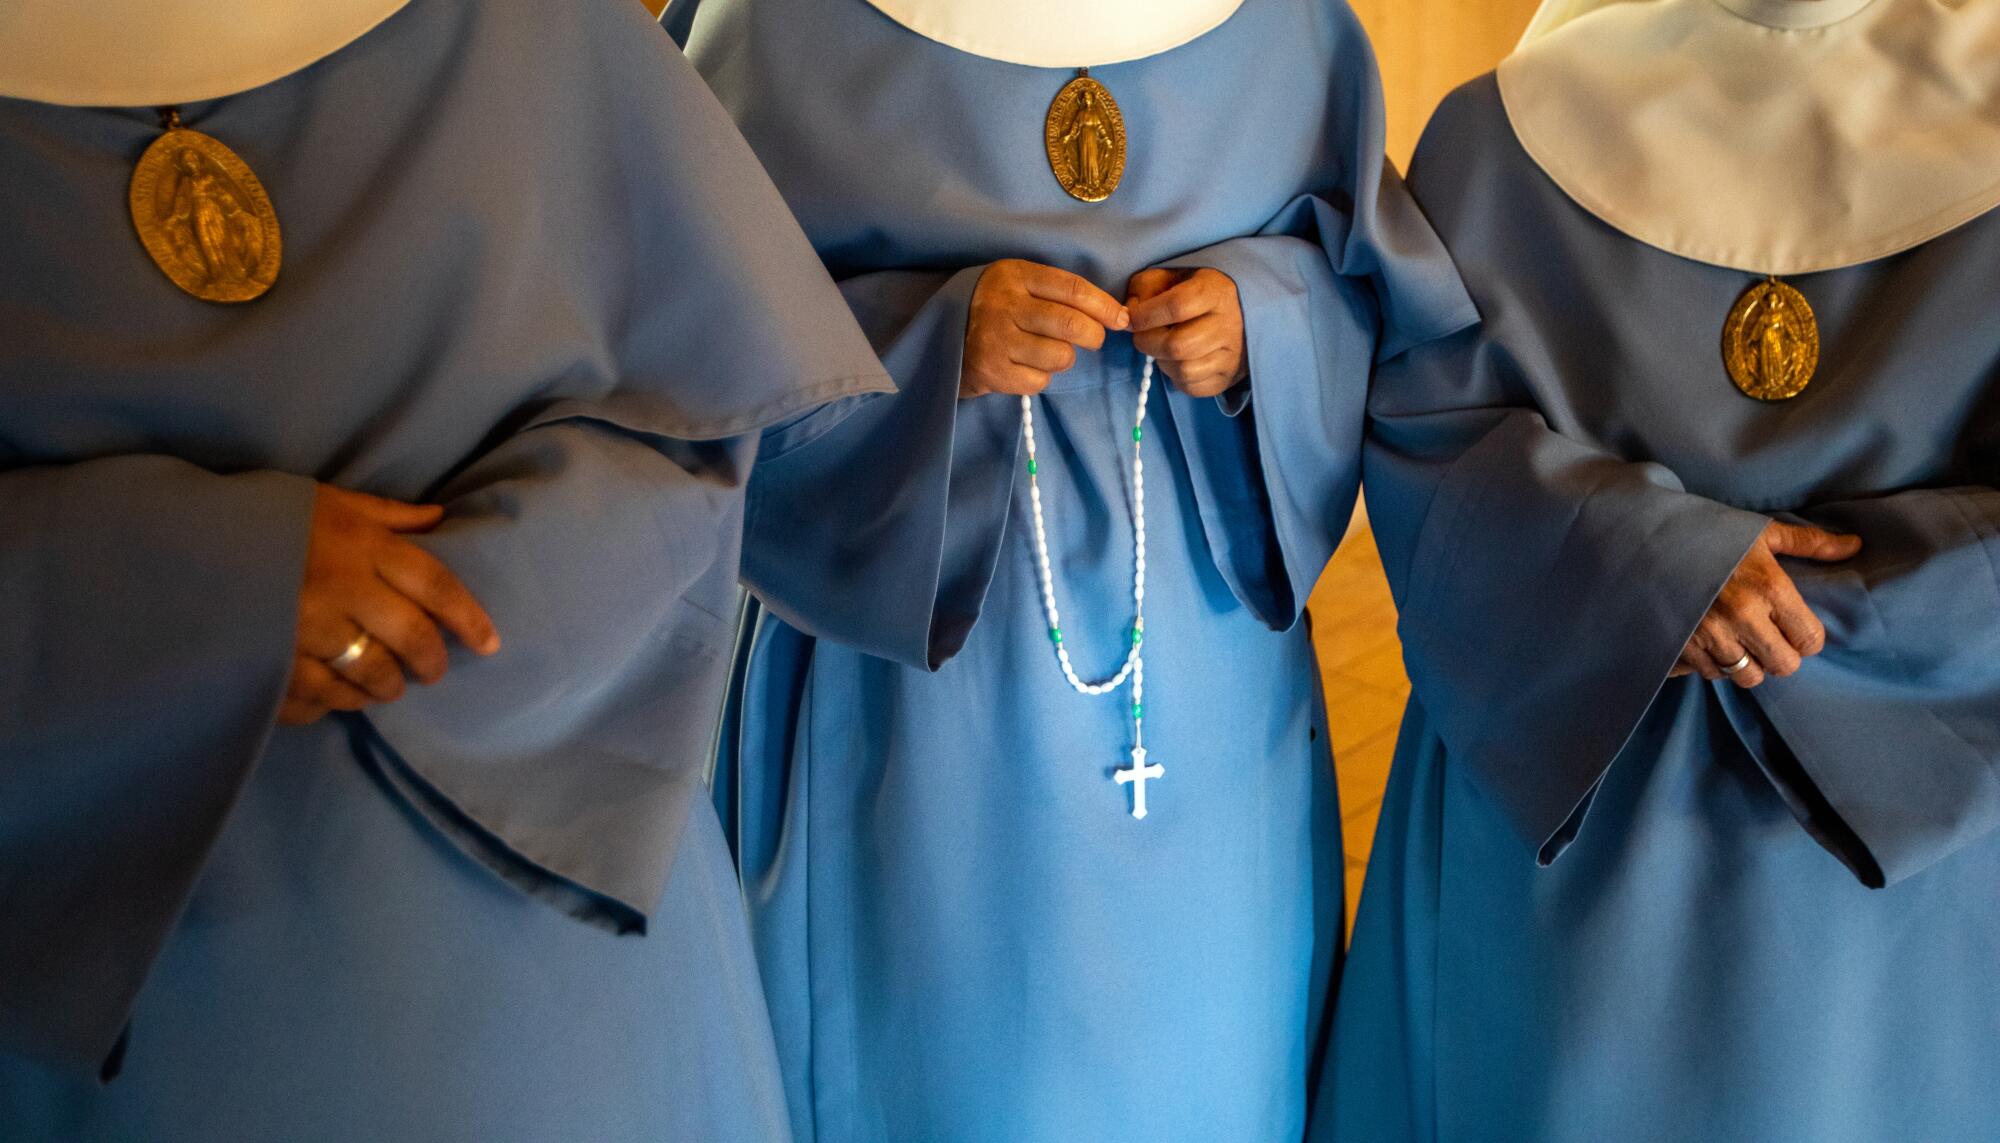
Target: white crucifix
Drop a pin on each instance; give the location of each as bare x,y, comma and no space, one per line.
1138,775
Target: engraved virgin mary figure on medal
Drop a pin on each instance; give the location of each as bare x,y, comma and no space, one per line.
204,218
1085,135
1771,342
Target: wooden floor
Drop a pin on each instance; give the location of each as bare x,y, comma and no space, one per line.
1427,47
1361,666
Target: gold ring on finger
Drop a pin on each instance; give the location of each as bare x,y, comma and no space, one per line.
352,654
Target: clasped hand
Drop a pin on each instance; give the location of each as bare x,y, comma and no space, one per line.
1760,615
365,577
1029,320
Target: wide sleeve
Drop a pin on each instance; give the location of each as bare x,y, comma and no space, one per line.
605,551
601,524
1276,462
1546,587
147,612
877,521
1886,743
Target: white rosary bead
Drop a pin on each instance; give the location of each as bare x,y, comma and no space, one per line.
1134,666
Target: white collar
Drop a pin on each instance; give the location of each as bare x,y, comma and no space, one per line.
142,53
1773,136
1554,14
1060,33
1795,15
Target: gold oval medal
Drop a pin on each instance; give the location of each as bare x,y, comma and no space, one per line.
1770,343
1085,136
204,217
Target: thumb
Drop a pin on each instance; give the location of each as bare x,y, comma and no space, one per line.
1806,542
393,514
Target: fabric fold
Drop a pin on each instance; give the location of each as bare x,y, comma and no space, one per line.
147,641
1311,333
570,338
558,751
1546,587
912,476
1893,724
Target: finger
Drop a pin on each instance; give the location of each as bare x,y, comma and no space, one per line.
1700,662
314,682
429,584
376,672
1185,302
1064,323
1042,354
1808,543
297,713
1149,284
324,630
1053,285
1795,619
1769,647
403,628
327,636
1208,376
1720,640
1724,653
392,514
1012,379
1153,343
1737,630
1208,334
1750,677
1712,648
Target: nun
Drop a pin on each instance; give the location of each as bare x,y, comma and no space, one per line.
1036,810
1691,830
262,261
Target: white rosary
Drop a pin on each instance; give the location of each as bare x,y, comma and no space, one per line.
1134,667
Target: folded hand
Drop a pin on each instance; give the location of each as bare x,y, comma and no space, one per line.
1759,626
372,605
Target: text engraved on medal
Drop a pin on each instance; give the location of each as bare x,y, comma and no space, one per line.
1770,343
1085,138
205,219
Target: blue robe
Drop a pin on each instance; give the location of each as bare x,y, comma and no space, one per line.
963,932
1605,903
532,273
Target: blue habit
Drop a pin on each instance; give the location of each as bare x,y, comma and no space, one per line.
532,273
1606,903
963,932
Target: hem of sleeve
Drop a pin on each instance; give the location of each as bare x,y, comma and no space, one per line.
1540,743
1907,675
931,476
1629,707
133,858
1275,495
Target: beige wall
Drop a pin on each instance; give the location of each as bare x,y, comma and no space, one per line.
1428,47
